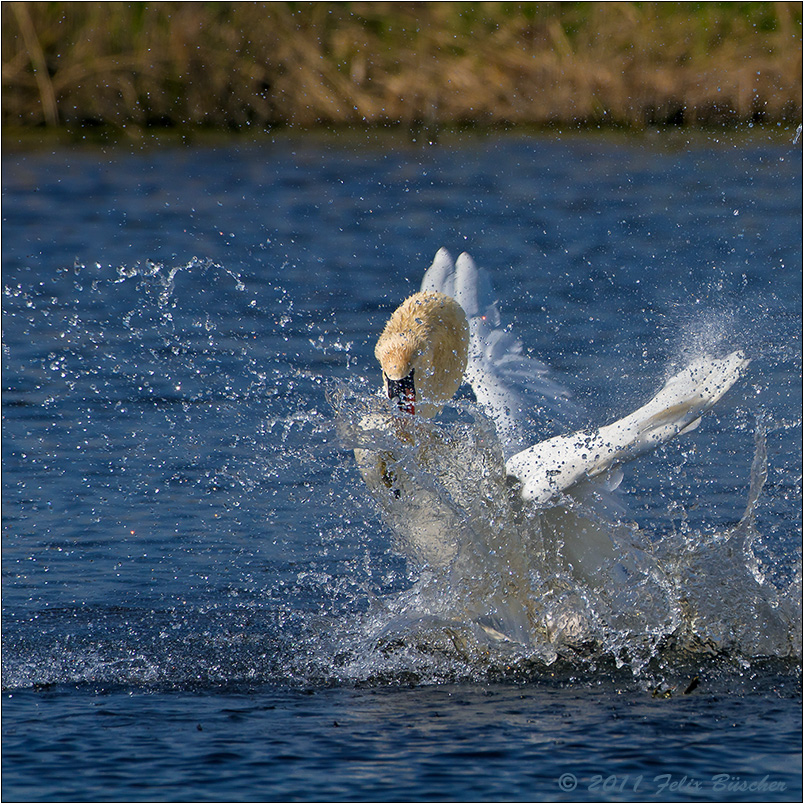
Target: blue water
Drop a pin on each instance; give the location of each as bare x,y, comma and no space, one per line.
200,597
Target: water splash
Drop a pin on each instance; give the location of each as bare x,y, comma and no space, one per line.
271,560
494,575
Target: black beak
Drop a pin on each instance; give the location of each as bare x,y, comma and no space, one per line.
404,392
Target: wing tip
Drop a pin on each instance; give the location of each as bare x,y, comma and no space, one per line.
440,276
442,255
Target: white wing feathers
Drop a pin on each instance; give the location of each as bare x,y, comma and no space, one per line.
514,389
557,464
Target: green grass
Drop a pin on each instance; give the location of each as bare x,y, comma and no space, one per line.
226,66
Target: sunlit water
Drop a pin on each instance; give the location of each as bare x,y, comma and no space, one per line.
203,600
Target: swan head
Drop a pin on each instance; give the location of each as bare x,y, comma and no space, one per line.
423,351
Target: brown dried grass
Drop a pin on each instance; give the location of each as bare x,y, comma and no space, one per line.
231,65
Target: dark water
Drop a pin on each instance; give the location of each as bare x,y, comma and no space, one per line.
200,599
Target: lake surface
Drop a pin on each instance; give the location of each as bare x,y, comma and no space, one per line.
202,600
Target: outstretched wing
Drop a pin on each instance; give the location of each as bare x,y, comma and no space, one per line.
559,463
515,390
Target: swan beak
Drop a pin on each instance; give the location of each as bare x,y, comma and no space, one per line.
403,392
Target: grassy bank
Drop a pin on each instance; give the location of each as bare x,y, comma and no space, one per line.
233,65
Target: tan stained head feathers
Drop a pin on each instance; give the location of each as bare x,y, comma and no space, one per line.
423,351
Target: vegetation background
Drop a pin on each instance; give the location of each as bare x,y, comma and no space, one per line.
131,66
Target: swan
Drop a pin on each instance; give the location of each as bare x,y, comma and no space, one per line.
430,344
450,332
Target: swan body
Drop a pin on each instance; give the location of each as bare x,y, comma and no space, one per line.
552,494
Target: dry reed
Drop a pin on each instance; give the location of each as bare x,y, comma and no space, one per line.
232,65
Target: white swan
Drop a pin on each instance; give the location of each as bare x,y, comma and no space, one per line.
424,358
450,331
